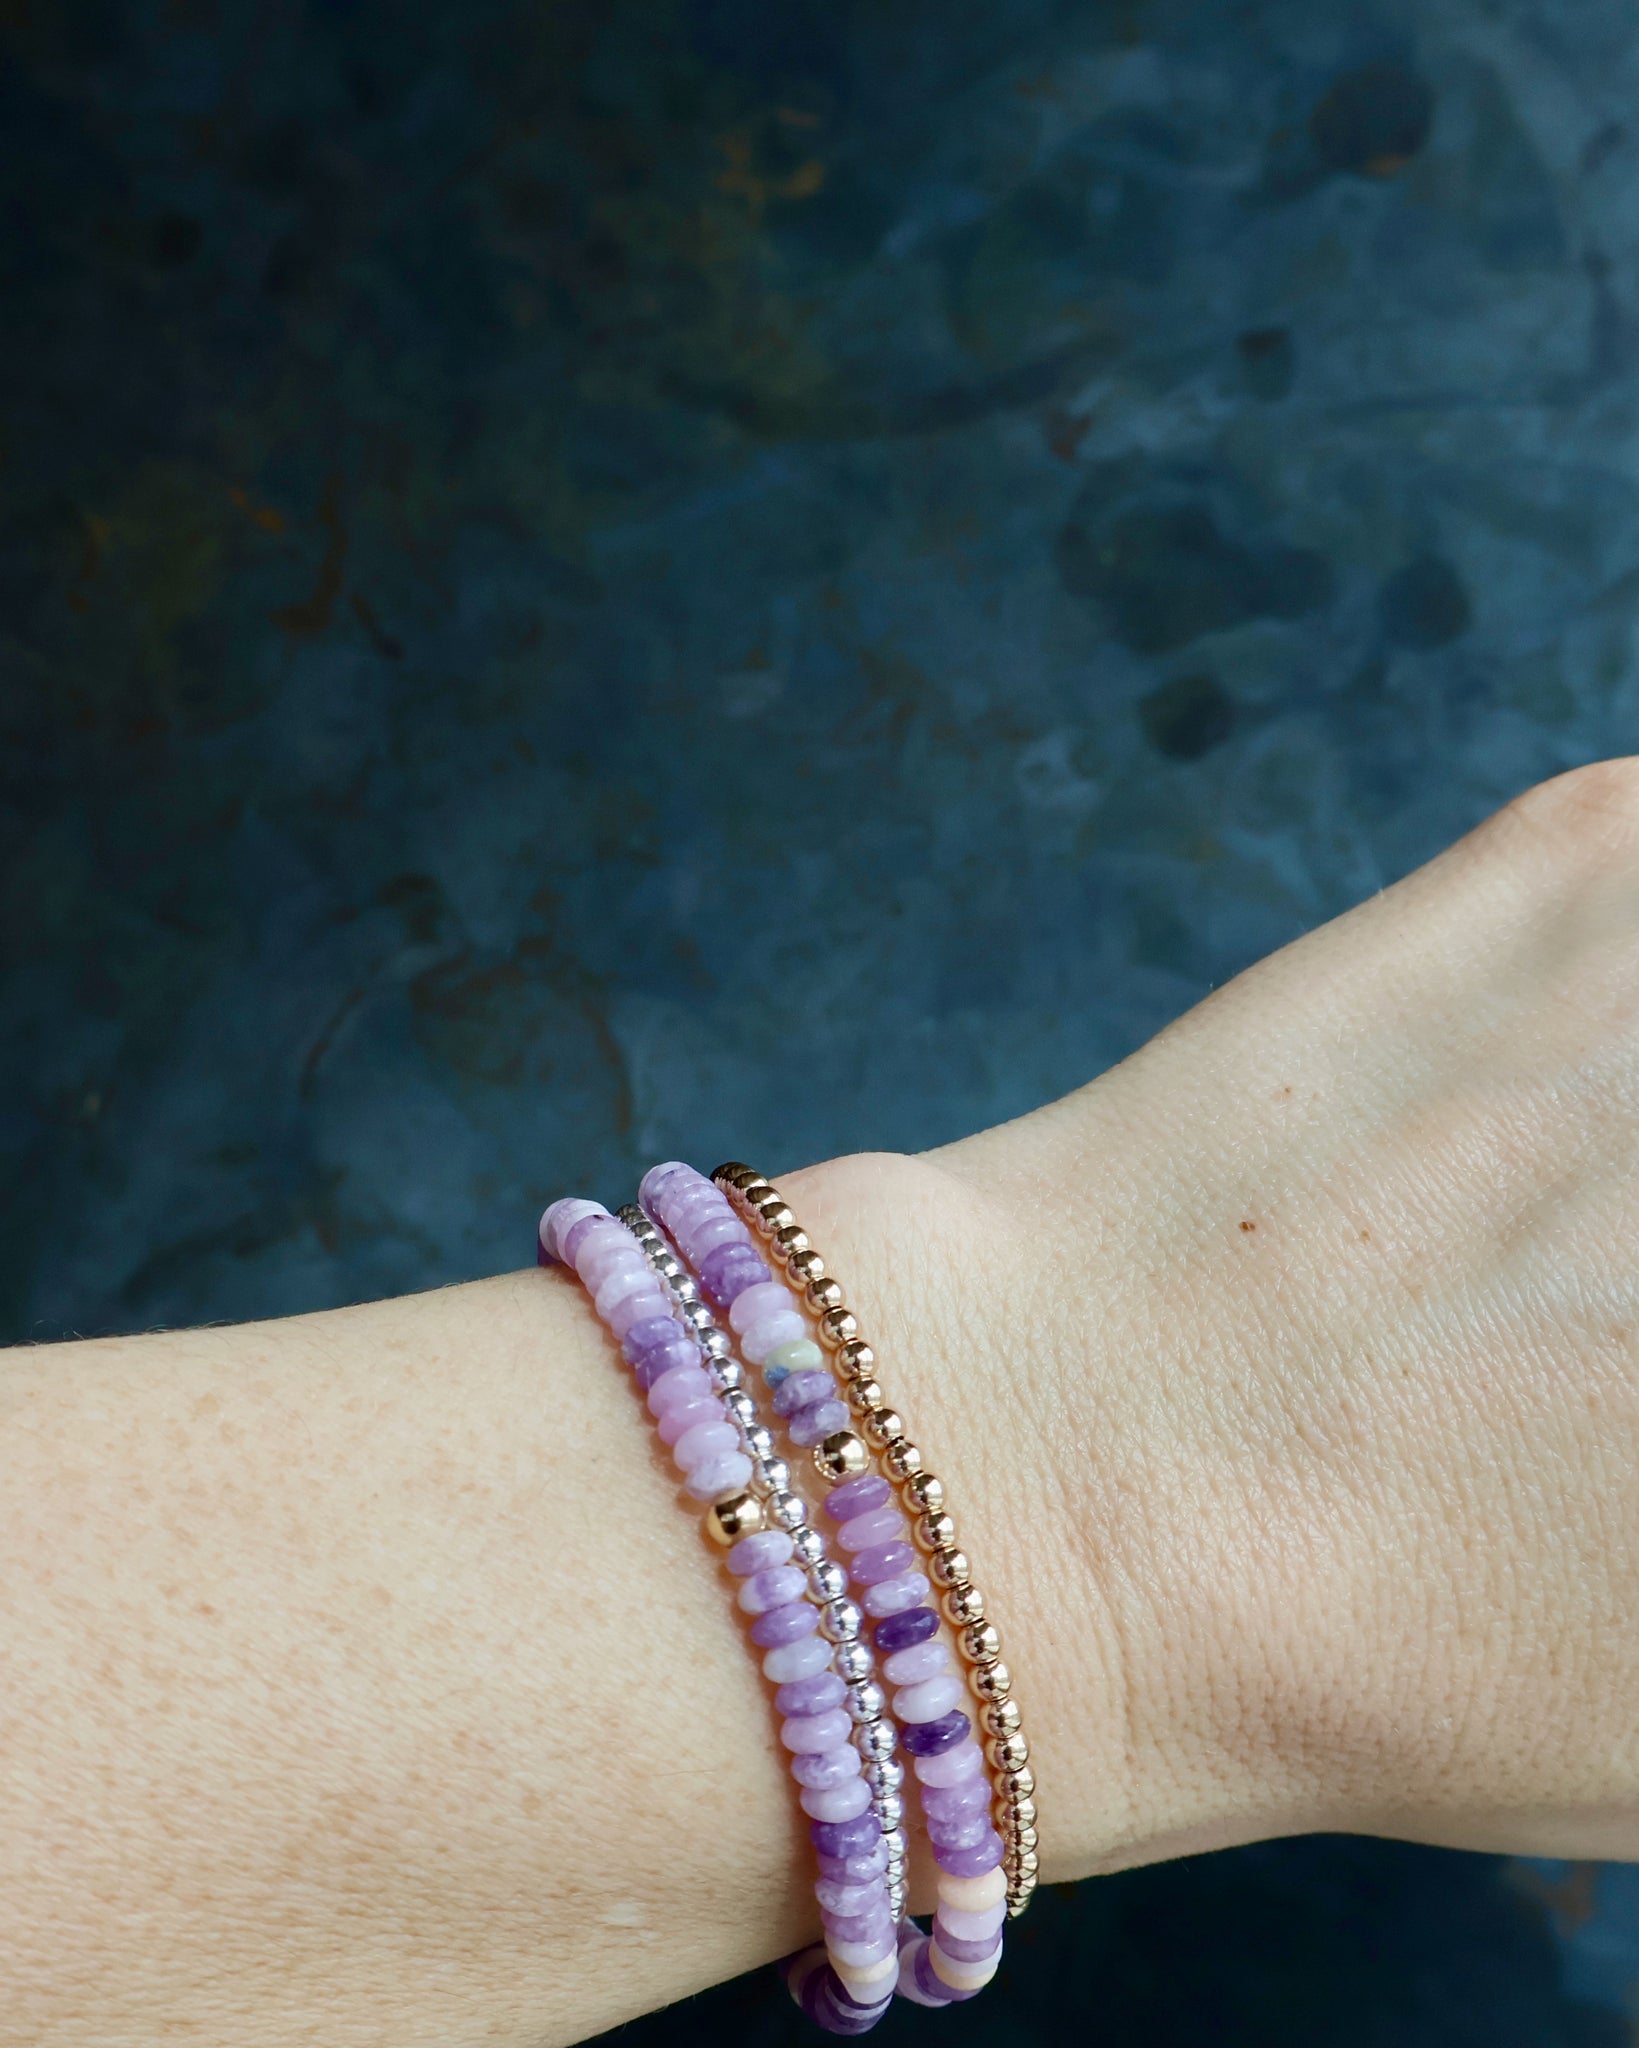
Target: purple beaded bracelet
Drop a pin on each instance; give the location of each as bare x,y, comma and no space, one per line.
802,1620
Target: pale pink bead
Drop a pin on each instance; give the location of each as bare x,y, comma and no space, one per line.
676,1422
622,1281
921,1660
775,1587
839,1802
977,1926
769,1332
637,1308
730,1473
757,1301
893,1596
709,1439
807,1733
955,1767
864,1532
797,1660
927,1701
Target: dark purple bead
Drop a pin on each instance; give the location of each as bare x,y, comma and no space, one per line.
844,1837
961,1951
970,1860
903,1631
858,1497
727,1271
797,1389
787,1624
933,1738
816,1695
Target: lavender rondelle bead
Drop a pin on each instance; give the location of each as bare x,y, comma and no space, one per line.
636,1308
898,1631
684,1383
816,1695
676,1423
973,1861
921,1704
810,1426
956,1802
885,1561
894,1596
757,1553
799,1389
836,1802
779,1586
865,1532
823,1769
728,1272
909,1667
929,1738
954,1766
809,1734
857,1497
837,1897
866,1926
961,1833
653,1334
800,1659
765,1297
855,1869
961,1951
782,1625
730,1473
844,1837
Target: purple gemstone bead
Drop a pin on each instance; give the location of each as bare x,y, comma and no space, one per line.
778,1586
942,1803
836,1802
845,1837
932,1987
726,1273
672,1389
786,1624
857,1497
933,1738
799,1389
809,1734
816,1695
684,1352
865,1532
810,1426
972,1861
652,1334
961,1833
823,1770
855,1869
756,1553
839,1896
677,1422
864,1926
904,1631
961,1951
895,1596
886,1561
651,1189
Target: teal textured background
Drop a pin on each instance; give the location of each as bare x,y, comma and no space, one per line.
584,582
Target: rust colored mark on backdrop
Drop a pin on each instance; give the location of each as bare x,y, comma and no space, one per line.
267,517
314,613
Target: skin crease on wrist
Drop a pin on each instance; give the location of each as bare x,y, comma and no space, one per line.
366,1679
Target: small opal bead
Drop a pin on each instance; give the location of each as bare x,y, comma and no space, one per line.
971,1861
683,1383
801,1390
800,1659
810,1733
959,1833
895,1596
757,1553
836,1802
810,1426
730,1473
676,1423
835,1897
816,1695
778,1586
857,1496
952,1766
902,1631
956,1802
928,1738
802,1355
922,1660
886,1561
821,1770
781,1625
756,1301
928,1701
844,1837
636,1308
769,1333
971,1926
864,1532
705,1440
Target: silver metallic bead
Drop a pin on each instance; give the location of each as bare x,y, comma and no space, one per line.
890,1809
896,1901
867,1701
827,1580
698,1317
714,1343
759,1439
841,1620
785,1510
852,1661
886,1774
808,1543
875,1739
897,1846
726,1373
775,1473
685,1289
740,1407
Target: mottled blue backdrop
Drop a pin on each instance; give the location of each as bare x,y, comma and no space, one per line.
598,578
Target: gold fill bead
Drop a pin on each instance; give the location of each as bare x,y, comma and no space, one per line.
1023,1782
841,1456
865,1397
857,1359
1001,1717
825,1295
927,1492
1021,1812
792,1244
772,1221
753,1190
1027,1863
981,1644
992,1681
904,1460
1007,1752
737,1515
1022,1838
886,1426
964,1605
934,1532
735,1172
805,1267
949,1566
837,1325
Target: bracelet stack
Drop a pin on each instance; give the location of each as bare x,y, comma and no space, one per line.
665,1277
